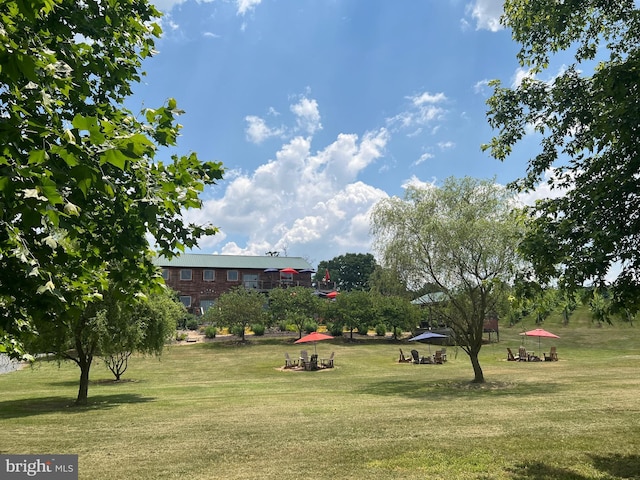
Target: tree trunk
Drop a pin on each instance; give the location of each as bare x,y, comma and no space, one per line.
477,369
83,391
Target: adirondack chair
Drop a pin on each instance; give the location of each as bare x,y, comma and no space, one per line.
288,362
312,364
327,362
403,359
552,356
522,354
437,357
510,356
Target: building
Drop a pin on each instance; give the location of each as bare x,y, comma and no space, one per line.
200,279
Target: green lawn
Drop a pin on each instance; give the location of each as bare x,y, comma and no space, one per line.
222,411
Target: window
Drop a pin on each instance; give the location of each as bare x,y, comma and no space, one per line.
232,275
250,280
207,304
185,274
186,300
165,273
209,275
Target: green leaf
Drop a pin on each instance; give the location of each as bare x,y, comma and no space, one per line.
114,157
38,156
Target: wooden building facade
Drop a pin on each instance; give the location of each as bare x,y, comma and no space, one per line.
200,279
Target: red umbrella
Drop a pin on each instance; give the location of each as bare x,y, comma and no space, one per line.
314,337
288,270
333,294
539,332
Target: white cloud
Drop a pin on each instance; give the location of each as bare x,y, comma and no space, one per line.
308,116
303,202
481,87
423,110
519,75
446,145
423,158
245,6
486,14
542,190
257,130
426,97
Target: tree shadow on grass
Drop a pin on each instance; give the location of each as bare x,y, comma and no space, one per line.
615,467
438,389
542,471
101,381
44,405
618,466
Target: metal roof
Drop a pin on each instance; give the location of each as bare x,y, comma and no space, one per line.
200,260
429,298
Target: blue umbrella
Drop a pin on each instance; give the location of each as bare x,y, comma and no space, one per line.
270,270
427,335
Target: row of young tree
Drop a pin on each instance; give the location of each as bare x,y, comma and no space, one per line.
300,308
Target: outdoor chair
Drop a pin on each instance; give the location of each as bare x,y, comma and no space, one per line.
327,362
522,354
288,362
312,364
510,356
403,359
418,359
552,356
444,354
437,358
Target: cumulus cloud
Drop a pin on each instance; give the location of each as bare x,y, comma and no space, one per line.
258,131
486,14
300,201
307,122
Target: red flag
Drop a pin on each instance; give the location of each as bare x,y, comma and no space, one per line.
326,275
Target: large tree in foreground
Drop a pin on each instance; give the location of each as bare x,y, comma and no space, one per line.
81,187
461,237
588,119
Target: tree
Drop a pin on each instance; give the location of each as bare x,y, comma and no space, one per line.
349,272
355,311
587,117
237,309
143,327
81,189
397,313
388,282
461,237
296,305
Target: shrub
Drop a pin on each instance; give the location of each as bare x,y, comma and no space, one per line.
310,327
335,329
192,324
258,329
180,336
381,330
237,330
210,331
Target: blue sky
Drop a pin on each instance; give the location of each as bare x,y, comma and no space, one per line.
320,108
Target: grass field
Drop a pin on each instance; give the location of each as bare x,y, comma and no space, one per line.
223,411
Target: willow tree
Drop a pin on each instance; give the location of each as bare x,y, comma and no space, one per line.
586,117
461,237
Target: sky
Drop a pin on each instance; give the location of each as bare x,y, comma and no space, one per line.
320,108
